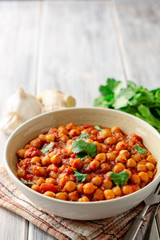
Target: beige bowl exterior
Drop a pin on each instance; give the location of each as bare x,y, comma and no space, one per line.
94,116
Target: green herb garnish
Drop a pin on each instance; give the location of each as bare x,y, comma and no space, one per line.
119,178
84,135
139,149
47,148
81,155
82,146
30,183
80,177
98,128
133,99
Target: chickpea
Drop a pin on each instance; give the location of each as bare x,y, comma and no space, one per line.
94,165
70,126
107,184
42,137
121,146
35,160
73,196
121,159
40,181
62,195
50,194
63,180
111,156
21,172
39,171
80,188
89,140
105,133
101,157
83,199
143,176
46,160
150,166
63,138
77,163
141,167
20,153
151,159
127,189
62,129
107,174
97,180
89,188
84,131
115,129
50,138
118,167
35,188
53,174
135,179
117,190
74,132
69,149
52,153
36,143
98,146
56,159
87,160
50,180
125,153
150,174
111,140
105,167
131,163
104,148
98,195
128,171
109,194
136,158
70,186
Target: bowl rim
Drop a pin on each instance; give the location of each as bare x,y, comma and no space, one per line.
72,202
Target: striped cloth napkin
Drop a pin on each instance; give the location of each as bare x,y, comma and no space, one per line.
60,228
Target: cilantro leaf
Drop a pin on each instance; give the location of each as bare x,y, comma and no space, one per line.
47,148
139,149
133,99
98,128
119,178
82,146
81,155
30,183
84,135
80,177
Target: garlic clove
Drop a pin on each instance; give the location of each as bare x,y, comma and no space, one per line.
10,122
20,107
24,104
55,99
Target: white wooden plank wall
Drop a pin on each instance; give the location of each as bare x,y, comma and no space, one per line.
74,46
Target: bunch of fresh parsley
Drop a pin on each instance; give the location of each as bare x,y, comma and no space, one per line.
133,99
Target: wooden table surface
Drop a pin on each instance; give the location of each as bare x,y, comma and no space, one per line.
74,46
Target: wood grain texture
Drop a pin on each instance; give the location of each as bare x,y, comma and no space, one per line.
78,48
18,53
139,23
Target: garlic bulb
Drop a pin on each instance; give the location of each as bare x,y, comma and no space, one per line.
20,107
54,99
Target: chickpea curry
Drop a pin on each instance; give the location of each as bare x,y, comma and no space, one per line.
85,163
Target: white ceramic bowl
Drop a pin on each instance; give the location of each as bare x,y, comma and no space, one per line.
94,116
